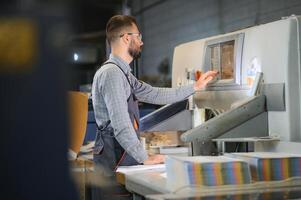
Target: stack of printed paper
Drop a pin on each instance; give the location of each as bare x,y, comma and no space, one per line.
271,166
206,170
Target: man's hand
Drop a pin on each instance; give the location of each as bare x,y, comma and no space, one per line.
204,79
155,159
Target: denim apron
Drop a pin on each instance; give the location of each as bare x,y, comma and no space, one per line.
108,153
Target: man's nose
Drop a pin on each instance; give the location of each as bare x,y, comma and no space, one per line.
141,43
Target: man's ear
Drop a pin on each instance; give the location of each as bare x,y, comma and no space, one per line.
125,39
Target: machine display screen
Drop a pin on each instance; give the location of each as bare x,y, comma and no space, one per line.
224,55
222,59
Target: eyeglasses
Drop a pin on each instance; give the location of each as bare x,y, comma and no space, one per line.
138,34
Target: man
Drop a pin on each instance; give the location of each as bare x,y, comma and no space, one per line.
115,95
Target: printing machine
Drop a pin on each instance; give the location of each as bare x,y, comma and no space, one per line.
256,96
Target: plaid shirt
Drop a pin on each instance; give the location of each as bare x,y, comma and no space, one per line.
110,91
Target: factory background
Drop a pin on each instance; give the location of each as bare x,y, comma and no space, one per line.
67,47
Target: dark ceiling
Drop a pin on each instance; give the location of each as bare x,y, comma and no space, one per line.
90,18
92,15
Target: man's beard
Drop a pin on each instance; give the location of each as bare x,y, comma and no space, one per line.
134,52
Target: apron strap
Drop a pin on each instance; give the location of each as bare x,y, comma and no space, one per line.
104,125
127,78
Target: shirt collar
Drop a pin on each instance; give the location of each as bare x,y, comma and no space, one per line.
121,63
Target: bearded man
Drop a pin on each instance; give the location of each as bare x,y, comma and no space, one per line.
115,95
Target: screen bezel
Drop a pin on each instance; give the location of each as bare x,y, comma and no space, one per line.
236,82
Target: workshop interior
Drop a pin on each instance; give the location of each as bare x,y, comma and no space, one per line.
238,138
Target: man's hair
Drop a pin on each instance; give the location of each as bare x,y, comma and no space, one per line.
117,24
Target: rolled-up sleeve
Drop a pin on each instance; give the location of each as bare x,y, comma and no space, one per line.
113,84
157,95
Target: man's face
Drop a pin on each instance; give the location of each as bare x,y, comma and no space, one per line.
135,45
